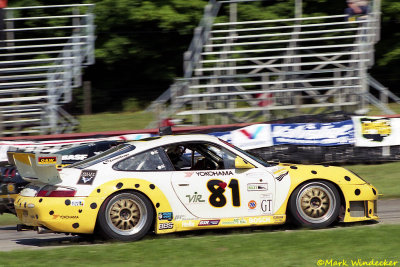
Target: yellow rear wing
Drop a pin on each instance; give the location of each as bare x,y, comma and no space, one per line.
36,167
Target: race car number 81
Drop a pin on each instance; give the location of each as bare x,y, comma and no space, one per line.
217,188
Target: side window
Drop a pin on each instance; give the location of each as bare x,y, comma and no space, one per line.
200,156
225,158
180,156
147,161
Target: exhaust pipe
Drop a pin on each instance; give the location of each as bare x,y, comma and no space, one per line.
44,230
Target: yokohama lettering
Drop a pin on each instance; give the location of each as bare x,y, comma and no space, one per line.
215,173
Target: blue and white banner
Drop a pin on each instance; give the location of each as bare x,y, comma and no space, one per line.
319,134
253,136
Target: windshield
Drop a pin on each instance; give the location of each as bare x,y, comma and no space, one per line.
247,154
109,154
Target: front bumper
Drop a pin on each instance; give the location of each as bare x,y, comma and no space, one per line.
59,214
360,203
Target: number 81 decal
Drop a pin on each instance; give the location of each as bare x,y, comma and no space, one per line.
217,188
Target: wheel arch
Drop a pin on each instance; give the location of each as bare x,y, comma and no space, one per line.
126,190
150,190
341,194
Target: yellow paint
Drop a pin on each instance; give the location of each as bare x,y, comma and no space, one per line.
25,158
53,213
336,175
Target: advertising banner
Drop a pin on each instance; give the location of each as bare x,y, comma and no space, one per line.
318,134
376,131
253,136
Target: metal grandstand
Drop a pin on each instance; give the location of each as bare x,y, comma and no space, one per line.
244,71
41,64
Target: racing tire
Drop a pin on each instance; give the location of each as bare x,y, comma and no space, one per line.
315,204
125,216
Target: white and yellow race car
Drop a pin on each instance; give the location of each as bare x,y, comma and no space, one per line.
184,182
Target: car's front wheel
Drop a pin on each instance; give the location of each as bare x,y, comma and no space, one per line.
125,216
315,204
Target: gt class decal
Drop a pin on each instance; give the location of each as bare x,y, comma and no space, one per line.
87,177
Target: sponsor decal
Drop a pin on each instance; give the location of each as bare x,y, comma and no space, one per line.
180,217
196,198
252,204
266,206
234,221
165,226
215,173
75,157
259,220
165,216
64,217
188,224
77,203
375,129
257,187
188,174
116,158
47,160
208,222
280,174
87,177
278,218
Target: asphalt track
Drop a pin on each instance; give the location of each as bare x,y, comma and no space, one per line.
10,239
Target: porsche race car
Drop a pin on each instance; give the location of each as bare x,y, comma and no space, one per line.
184,182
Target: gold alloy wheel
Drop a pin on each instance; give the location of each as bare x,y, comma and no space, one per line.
316,203
124,214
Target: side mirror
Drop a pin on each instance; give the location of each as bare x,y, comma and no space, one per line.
242,164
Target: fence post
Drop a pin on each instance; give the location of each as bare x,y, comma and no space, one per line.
87,98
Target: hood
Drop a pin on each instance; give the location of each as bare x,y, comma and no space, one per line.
335,174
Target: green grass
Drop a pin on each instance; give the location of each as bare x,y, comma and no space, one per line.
261,247
114,121
375,111
8,219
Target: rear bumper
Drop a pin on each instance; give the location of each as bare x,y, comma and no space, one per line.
71,215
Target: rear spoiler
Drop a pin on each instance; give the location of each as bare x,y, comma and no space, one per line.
36,167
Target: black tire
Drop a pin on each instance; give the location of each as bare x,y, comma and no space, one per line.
315,204
125,216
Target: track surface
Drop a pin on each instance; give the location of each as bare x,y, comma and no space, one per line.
10,239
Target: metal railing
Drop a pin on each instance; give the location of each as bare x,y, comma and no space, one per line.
249,70
40,65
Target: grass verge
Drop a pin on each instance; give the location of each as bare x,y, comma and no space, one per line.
262,247
114,121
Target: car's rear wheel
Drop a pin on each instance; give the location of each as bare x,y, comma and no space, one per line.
315,204
125,216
